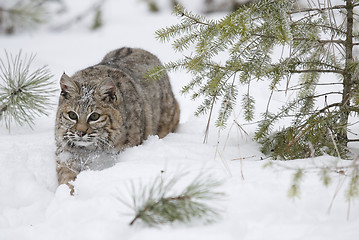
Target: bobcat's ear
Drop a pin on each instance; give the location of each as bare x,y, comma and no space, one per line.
107,90
67,85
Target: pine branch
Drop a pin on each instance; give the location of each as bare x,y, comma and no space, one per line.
179,10
94,9
159,202
23,14
24,94
163,201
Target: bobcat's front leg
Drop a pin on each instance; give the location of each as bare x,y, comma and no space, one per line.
65,174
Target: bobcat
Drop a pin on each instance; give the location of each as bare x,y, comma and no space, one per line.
108,107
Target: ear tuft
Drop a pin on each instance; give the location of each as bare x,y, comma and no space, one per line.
107,89
67,85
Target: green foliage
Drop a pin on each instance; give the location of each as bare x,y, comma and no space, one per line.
239,36
91,14
159,202
314,40
294,190
313,136
325,177
330,171
353,188
24,94
152,5
97,22
248,106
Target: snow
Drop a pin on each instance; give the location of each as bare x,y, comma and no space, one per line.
256,205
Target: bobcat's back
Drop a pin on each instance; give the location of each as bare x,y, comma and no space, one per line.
160,111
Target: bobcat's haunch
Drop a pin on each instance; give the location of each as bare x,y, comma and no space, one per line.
108,107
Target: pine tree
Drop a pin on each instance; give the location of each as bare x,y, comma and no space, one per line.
316,40
24,93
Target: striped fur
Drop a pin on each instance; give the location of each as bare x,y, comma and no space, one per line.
108,107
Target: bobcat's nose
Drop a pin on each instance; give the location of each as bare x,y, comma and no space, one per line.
81,128
81,133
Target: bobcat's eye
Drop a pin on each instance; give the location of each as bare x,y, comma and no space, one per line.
94,116
72,115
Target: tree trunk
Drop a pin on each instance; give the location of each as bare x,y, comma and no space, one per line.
347,81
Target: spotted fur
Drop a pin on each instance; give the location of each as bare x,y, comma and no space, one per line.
108,107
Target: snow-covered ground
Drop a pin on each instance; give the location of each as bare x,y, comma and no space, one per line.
32,206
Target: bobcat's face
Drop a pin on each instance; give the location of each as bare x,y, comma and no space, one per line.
85,116
85,128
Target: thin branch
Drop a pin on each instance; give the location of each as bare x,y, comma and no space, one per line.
183,14
326,84
322,26
209,119
322,64
320,40
300,86
313,96
335,169
301,133
335,144
329,106
316,71
325,94
320,9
